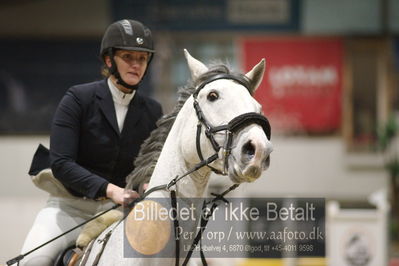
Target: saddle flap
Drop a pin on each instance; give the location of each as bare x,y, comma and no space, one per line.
46,181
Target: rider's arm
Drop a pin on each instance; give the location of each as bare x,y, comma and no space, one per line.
64,144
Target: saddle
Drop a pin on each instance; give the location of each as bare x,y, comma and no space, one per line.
42,176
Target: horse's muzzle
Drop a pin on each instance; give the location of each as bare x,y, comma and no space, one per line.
251,156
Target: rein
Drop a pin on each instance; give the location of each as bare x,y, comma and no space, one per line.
20,257
166,187
130,205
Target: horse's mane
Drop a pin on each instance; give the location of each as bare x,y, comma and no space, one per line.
151,148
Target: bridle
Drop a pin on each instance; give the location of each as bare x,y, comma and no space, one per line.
231,128
222,151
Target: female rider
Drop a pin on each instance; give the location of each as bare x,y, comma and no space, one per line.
96,134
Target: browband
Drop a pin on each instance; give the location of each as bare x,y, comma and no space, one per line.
240,80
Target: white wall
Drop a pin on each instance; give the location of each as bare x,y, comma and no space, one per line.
319,167
300,166
20,200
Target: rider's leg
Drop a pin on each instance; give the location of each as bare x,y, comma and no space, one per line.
50,222
58,216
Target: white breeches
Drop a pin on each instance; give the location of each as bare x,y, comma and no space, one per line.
58,216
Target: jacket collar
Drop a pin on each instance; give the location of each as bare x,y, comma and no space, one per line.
134,113
118,96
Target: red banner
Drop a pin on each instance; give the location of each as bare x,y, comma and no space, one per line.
301,89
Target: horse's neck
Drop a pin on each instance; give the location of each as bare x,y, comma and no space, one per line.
171,164
169,167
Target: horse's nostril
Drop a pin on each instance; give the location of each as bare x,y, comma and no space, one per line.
267,162
248,149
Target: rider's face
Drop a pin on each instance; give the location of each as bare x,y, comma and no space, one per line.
131,65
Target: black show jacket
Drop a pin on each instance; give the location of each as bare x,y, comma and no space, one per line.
86,149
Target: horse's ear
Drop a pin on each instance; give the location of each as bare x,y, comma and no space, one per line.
196,67
256,74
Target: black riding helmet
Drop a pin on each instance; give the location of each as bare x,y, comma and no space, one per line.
129,35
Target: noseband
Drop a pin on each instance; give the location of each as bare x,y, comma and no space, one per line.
231,128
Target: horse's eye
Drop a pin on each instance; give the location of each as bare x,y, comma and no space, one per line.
213,96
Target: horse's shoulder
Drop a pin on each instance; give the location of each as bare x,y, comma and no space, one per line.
148,228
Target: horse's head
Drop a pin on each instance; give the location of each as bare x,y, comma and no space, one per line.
231,122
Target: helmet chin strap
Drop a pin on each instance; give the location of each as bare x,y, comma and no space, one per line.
120,81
